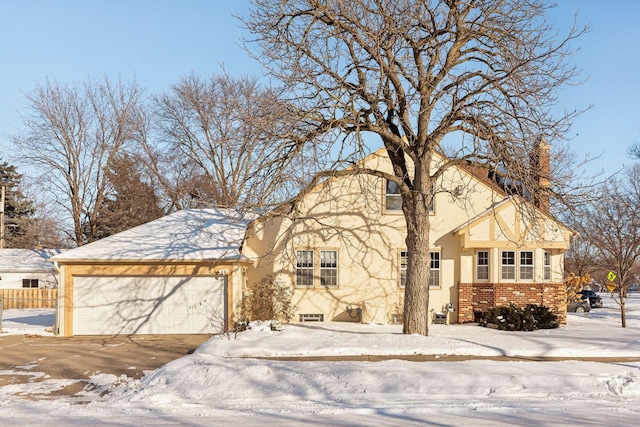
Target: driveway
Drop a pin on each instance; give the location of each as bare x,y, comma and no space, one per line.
33,358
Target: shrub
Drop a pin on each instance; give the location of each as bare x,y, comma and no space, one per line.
513,318
269,300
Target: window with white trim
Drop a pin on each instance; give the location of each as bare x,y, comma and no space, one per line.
434,271
508,265
329,268
547,266
526,265
482,266
304,269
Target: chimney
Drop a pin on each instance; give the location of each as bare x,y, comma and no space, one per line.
541,172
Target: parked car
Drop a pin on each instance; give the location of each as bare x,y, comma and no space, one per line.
579,306
594,299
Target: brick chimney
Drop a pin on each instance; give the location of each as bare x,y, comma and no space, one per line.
541,172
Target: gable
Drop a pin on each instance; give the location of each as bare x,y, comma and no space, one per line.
466,202
507,225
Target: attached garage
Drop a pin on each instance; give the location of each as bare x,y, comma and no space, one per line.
175,275
116,305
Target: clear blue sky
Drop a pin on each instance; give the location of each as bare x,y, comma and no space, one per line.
158,41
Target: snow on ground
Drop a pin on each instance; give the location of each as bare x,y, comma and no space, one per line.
221,383
27,321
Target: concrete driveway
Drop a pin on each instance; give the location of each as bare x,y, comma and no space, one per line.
24,358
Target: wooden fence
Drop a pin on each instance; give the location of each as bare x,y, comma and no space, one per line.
28,298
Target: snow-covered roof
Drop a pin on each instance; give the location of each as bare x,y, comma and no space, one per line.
26,259
186,235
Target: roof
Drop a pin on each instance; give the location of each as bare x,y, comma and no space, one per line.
186,235
26,259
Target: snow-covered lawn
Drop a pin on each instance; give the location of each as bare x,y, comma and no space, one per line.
221,383
28,321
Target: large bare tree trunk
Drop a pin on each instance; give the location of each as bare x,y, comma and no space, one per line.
416,295
416,212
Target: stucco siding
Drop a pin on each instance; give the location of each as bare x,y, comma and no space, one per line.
348,215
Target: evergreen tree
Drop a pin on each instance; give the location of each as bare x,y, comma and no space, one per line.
18,211
129,202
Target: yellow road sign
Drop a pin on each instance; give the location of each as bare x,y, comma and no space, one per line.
611,287
611,276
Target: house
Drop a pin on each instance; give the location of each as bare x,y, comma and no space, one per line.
178,274
27,268
343,249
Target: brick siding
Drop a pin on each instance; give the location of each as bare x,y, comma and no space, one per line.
479,297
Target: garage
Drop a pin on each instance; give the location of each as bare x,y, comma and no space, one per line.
183,273
115,305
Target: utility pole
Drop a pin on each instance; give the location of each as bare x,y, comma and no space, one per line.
2,219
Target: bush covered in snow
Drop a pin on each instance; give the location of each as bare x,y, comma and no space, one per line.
513,318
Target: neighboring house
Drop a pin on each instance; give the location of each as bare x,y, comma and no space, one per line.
343,248
175,275
27,268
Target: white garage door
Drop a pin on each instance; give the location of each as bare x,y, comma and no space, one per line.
148,305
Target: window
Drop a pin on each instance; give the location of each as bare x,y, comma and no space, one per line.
393,199
317,317
29,283
526,265
304,269
508,264
329,268
434,271
482,265
547,266
403,268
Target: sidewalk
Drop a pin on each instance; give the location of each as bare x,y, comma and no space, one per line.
443,358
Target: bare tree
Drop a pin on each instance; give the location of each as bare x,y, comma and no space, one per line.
45,226
223,134
612,228
581,259
474,80
71,135
633,150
